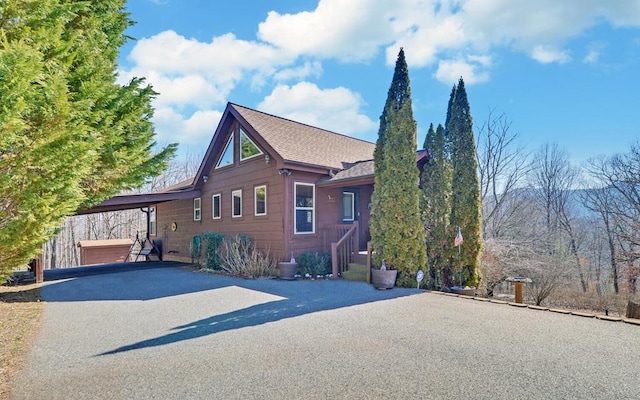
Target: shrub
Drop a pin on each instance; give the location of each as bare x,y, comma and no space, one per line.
240,258
315,263
212,242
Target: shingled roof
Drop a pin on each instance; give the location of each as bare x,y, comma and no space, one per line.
304,144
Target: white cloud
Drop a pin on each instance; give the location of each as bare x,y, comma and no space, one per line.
309,69
547,55
189,72
347,30
336,109
195,130
430,29
473,69
591,57
594,51
453,36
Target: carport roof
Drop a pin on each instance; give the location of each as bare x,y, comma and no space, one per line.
132,201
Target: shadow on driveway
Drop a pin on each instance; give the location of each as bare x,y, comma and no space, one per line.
295,298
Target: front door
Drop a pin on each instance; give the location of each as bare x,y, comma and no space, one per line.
350,209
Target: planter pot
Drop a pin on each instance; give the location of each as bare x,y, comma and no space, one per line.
465,291
287,270
383,279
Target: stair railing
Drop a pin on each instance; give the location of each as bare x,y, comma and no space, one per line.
343,251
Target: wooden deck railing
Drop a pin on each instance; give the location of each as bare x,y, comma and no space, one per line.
344,250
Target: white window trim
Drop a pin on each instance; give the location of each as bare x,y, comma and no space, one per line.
197,210
255,201
224,150
213,204
242,132
296,208
353,205
153,222
233,204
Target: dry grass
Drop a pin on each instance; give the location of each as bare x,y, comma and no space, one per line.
613,304
576,300
20,311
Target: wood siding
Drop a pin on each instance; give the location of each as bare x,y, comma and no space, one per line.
273,231
266,230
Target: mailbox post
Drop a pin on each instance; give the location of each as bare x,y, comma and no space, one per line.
518,282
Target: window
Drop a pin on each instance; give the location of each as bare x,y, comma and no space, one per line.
215,206
348,206
227,155
197,209
152,221
304,208
260,195
248,148
236,200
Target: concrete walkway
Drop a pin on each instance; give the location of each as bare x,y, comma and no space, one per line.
166,333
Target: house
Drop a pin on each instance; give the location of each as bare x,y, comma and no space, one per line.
292,187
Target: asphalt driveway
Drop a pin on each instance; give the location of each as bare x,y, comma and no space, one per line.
161,332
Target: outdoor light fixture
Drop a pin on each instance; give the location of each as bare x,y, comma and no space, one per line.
267,159
205,178
284,171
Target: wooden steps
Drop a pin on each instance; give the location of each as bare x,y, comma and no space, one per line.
358,271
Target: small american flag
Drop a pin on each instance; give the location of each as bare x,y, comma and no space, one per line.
458,239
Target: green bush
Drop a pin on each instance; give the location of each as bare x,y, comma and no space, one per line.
212,242
315,263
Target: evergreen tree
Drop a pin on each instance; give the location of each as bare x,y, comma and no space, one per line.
465,200
435,181
397,234
71,136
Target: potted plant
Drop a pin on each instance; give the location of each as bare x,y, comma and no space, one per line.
287,269
461,288
383,278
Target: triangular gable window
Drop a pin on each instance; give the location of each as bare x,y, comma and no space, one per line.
248,148
227,156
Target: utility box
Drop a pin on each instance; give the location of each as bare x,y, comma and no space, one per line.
104,251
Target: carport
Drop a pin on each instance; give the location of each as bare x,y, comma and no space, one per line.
183,190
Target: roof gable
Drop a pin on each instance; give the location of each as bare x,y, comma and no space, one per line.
290,142
299,143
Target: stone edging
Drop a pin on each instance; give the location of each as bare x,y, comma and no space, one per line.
630,321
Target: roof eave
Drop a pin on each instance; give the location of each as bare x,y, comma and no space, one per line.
133,201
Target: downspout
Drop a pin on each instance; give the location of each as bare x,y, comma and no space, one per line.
286,219
148,222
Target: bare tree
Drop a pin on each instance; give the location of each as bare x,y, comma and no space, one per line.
602,201
616,199
502,165
554,178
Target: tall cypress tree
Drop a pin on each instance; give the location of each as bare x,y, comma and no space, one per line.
436,207
397,234
465,200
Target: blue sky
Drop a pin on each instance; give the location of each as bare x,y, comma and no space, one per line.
563,71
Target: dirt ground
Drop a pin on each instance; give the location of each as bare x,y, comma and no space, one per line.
20,316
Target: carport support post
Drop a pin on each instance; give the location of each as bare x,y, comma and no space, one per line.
38,269
518,289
